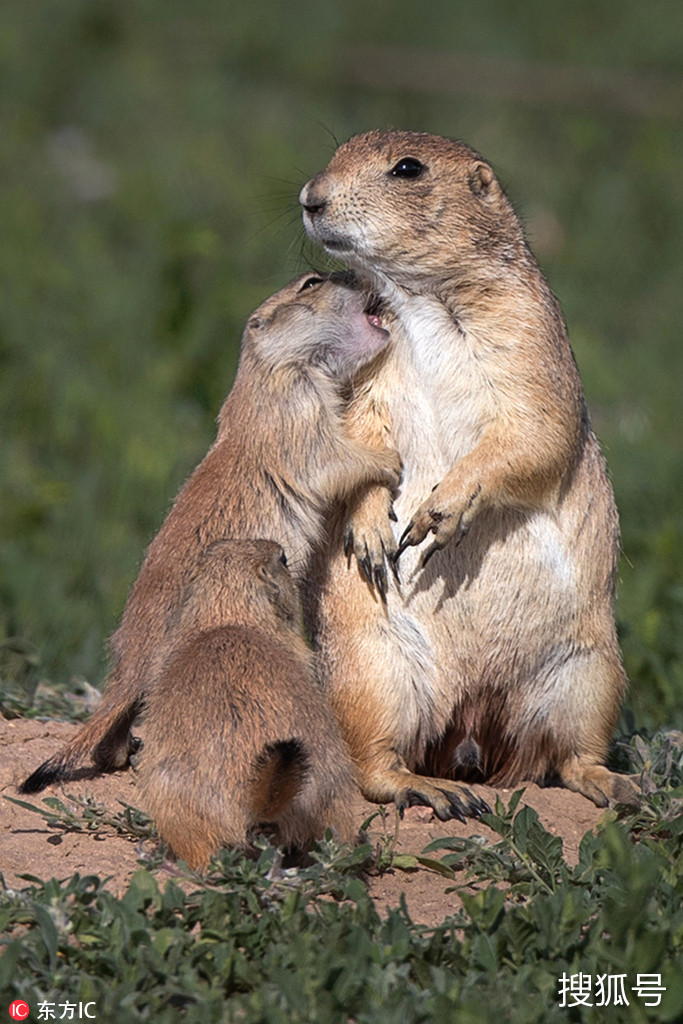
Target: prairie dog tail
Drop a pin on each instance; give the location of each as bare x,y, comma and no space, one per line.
105,741
279,776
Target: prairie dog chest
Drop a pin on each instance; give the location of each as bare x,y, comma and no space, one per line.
438,389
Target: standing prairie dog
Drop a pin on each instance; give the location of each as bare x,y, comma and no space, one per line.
500,662
282,457
258,746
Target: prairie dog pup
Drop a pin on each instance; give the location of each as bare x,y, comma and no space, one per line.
282,457
259,746
502,662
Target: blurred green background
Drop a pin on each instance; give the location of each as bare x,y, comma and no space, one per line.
151,156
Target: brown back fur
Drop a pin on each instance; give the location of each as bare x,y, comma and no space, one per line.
238,734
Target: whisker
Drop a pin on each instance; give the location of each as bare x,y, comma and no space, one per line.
293,215
295,184
325,127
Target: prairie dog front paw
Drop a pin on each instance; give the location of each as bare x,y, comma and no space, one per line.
447,513
369,538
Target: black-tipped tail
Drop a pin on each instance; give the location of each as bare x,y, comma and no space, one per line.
45,775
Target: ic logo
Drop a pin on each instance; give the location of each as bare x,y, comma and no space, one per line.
19,1010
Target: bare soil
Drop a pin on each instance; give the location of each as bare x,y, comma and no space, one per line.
29,846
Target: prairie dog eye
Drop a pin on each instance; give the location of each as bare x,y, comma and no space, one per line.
407,167
310,282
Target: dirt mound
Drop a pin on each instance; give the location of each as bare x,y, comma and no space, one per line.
30,846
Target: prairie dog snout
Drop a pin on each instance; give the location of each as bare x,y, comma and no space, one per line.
325,323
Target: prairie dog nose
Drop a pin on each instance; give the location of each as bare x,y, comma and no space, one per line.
311,197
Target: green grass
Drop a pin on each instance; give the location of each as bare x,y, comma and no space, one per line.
253,942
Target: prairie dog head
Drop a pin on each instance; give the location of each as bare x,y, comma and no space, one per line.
412,207
242,582
317,320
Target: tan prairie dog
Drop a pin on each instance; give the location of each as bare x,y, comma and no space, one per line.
281,458
500,661
258,747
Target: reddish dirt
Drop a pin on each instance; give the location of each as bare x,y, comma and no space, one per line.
29,846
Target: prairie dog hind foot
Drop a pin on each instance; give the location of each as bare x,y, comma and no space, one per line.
448,799
599,784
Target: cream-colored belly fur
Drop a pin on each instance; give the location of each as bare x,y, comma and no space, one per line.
499,612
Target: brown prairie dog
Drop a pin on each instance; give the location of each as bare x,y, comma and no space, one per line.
281,459
500,662
258,747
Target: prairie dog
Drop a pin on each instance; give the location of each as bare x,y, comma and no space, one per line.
501,662
282,457
260,747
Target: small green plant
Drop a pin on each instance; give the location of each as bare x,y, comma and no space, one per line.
528,857
84,814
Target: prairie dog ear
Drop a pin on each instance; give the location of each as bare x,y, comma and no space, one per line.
269,584
270,571
482,180
190,584
280,589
